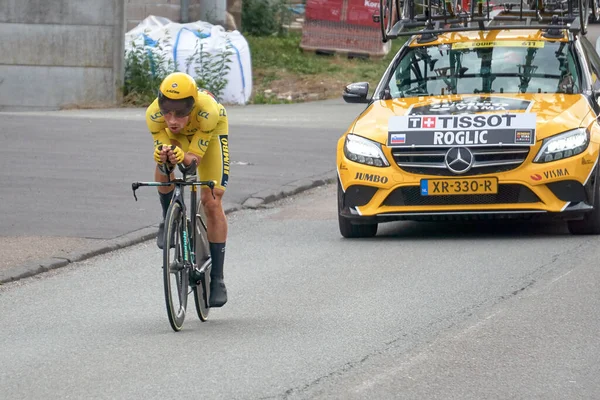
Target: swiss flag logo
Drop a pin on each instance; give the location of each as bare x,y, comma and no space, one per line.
429,122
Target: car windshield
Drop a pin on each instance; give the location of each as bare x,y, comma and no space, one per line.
486,67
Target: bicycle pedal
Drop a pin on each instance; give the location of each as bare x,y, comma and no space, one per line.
196,277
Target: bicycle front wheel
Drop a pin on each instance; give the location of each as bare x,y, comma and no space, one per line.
175,273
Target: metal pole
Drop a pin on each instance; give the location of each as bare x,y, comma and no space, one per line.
213,11
185,11
118,71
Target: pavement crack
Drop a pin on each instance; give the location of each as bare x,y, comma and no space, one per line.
338,372
438,325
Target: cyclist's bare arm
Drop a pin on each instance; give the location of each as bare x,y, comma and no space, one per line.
191,157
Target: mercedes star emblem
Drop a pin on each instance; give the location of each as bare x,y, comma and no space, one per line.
459,160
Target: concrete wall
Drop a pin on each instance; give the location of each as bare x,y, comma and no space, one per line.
138,10
61,53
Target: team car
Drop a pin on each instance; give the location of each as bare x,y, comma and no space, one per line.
478,115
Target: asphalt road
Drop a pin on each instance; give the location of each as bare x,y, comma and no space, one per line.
66,176
423,311
435,311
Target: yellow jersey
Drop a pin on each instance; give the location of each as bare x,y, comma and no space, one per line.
205,118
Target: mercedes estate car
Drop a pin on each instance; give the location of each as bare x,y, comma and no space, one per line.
493,123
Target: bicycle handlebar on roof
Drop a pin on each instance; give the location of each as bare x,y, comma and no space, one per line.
551,17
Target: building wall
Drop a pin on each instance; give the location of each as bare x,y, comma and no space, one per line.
60,53
138,10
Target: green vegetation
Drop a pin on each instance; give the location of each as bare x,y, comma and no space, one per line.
146,66
144,71
284,52
281,71
277,58
265,17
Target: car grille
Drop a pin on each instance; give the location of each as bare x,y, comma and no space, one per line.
487,160
507,194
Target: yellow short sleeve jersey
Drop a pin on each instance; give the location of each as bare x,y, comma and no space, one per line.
206,119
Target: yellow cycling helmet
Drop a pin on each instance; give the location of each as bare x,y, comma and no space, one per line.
178,93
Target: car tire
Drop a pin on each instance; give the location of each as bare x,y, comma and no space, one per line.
347,228
590,224
350,230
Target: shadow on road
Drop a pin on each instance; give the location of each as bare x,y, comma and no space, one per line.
472,230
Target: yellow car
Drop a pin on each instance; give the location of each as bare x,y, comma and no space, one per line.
493,122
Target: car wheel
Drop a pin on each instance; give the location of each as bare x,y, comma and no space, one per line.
347,228
590,224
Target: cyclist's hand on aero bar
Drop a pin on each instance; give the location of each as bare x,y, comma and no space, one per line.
171,154
160,154
175,155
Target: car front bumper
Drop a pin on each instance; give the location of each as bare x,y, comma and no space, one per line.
561,189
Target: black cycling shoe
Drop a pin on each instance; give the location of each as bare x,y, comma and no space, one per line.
218,293
160,237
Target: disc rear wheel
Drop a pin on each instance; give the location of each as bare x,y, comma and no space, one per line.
201,295
201,291
175,273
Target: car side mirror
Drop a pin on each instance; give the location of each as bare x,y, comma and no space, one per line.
356,92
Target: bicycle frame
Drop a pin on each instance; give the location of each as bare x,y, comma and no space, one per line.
178,195
186,253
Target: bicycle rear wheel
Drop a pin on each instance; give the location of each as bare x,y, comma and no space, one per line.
201,294
201,291
175,273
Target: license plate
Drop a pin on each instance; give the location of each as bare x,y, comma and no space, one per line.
438,187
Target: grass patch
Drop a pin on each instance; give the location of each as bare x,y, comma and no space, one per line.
281,69
284,52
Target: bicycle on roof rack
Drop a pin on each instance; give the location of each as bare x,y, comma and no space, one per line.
404,17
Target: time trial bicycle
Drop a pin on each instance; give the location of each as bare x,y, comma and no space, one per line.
186,251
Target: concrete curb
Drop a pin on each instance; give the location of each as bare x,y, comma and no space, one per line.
257,200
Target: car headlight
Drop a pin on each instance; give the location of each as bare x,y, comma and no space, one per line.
564,145
364,151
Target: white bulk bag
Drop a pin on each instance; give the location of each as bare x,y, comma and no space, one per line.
180,41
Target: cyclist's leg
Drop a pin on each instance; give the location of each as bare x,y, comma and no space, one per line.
215,166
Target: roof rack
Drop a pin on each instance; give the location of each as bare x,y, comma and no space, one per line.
404,17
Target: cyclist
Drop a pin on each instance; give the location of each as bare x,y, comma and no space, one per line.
194,122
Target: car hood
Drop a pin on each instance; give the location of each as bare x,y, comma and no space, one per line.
555,113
